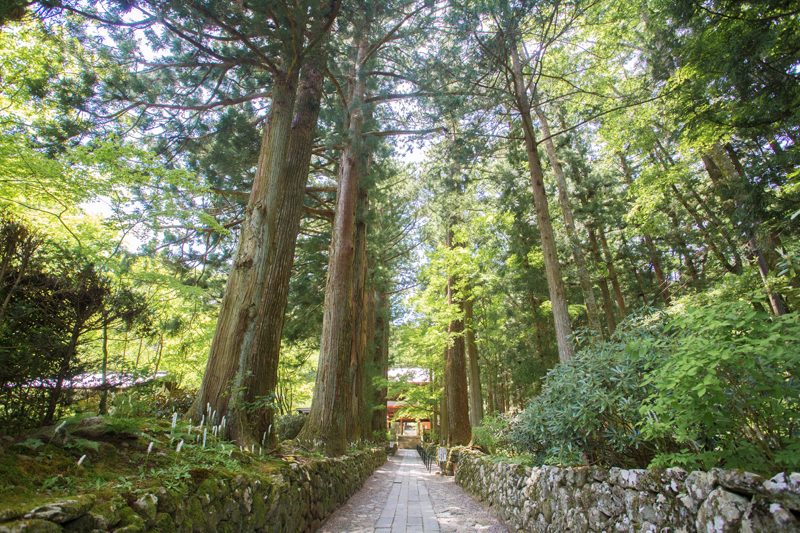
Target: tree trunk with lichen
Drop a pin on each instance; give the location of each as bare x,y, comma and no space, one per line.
242,366
569,223
555,282
332,400
459,429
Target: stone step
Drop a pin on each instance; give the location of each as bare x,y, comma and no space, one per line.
407,443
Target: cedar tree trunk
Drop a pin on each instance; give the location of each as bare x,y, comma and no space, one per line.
555,283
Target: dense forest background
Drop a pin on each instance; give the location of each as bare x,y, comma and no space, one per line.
581,217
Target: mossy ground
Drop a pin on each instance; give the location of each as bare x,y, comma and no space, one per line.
43,465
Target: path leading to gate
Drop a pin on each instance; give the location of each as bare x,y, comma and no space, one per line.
403,497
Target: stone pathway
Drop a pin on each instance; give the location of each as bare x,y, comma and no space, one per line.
403,497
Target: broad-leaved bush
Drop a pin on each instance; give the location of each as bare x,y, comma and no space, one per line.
588,410
729,392
700,385
492,434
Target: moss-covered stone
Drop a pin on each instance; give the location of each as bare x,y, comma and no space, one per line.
164,523
130,521
12,513
147,507
83,524
295,497
107,513
30,525
64,510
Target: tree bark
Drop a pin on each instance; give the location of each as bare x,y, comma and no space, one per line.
332,390
380,361
569,222
475,392
490,395
444,424
455,371
359,309
555,283
242,367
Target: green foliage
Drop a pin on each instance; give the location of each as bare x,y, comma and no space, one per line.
701,385
31,443
729,394
492,434
588,409
54,299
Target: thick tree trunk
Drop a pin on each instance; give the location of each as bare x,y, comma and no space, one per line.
569,223
380,361
455,370
332,391
555,283
370,370
360,315
242,366
475,392
444,424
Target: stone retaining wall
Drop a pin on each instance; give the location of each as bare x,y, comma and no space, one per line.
298,498
553,499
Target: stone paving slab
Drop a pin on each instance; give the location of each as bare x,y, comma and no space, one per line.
403,497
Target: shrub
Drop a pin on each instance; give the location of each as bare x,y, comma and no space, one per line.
709,384
287,427
492,434
729,392
588,409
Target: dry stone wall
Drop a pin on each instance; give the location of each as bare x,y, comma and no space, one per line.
295,499
553,499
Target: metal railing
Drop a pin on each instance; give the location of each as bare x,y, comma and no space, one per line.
427,459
